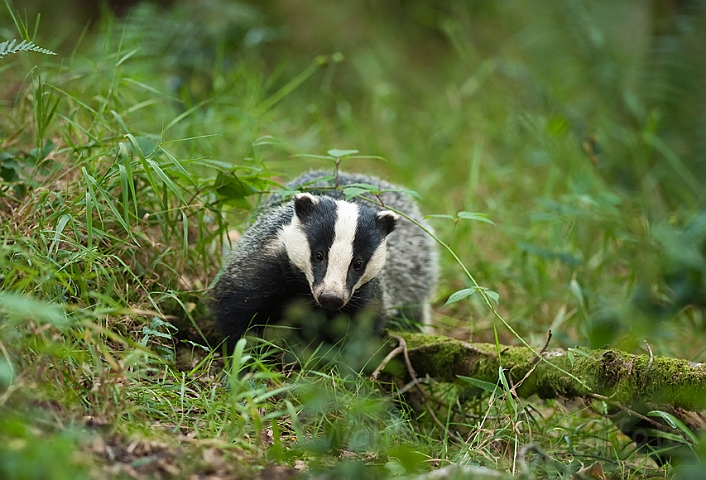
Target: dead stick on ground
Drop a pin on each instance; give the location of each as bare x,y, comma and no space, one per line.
649,365
535,362
629,411
386,360
415,381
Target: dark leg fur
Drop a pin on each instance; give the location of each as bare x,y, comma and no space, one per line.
265,298
260,295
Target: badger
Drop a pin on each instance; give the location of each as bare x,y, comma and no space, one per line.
340,257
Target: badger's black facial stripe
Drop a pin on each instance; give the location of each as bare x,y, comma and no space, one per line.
369,235
318,224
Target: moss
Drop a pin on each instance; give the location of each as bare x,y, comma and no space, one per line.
622,377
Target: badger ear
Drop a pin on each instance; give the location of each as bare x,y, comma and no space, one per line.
387,220
304,204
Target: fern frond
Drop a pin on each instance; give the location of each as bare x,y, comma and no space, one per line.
11,46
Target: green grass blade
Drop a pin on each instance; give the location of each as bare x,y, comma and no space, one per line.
146,168
111,205
167,181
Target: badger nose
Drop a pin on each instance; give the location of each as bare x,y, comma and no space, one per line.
330,301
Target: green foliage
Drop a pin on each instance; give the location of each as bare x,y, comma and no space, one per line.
11,46
28,454
558,146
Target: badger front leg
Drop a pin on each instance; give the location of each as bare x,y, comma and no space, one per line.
248,295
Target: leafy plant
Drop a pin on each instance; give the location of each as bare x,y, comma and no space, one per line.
10,47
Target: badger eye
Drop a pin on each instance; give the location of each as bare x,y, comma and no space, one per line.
358,265
319,257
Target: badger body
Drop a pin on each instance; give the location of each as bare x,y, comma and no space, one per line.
340,257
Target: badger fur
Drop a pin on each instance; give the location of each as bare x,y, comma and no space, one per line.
342,257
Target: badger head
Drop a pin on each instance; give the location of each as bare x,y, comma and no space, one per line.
338,245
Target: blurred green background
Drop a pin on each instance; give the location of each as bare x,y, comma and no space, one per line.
578,127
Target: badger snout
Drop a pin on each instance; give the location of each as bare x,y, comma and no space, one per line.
331,300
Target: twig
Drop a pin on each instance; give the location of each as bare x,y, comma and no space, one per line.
627,410
406,388
587,403
415,381
386,360
544,348
438,422
632,363
649,365
337,171
535,362
403,344
470,347
379,197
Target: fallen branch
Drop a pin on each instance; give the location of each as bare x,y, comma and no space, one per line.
617,376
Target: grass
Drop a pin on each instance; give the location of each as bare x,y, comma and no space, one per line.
125,160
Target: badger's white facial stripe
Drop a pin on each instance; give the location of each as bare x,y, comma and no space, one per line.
340,255
372,269
295,243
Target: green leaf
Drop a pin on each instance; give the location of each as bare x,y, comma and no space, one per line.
309,155
148,146
61,224
577,291
445,217
460,295
406,191
493,295
125,192
231,187
482,384
127,181
143,162
158,322
238,358
467,292
477,216
185,232
408,457
11,46
156,333
341,153
180,168
126,56
109,202
674,422
508,392
22,307
167,181
89,218
351,192
580,352
7,374
365,186
120,121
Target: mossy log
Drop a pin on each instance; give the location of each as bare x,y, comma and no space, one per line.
620,377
